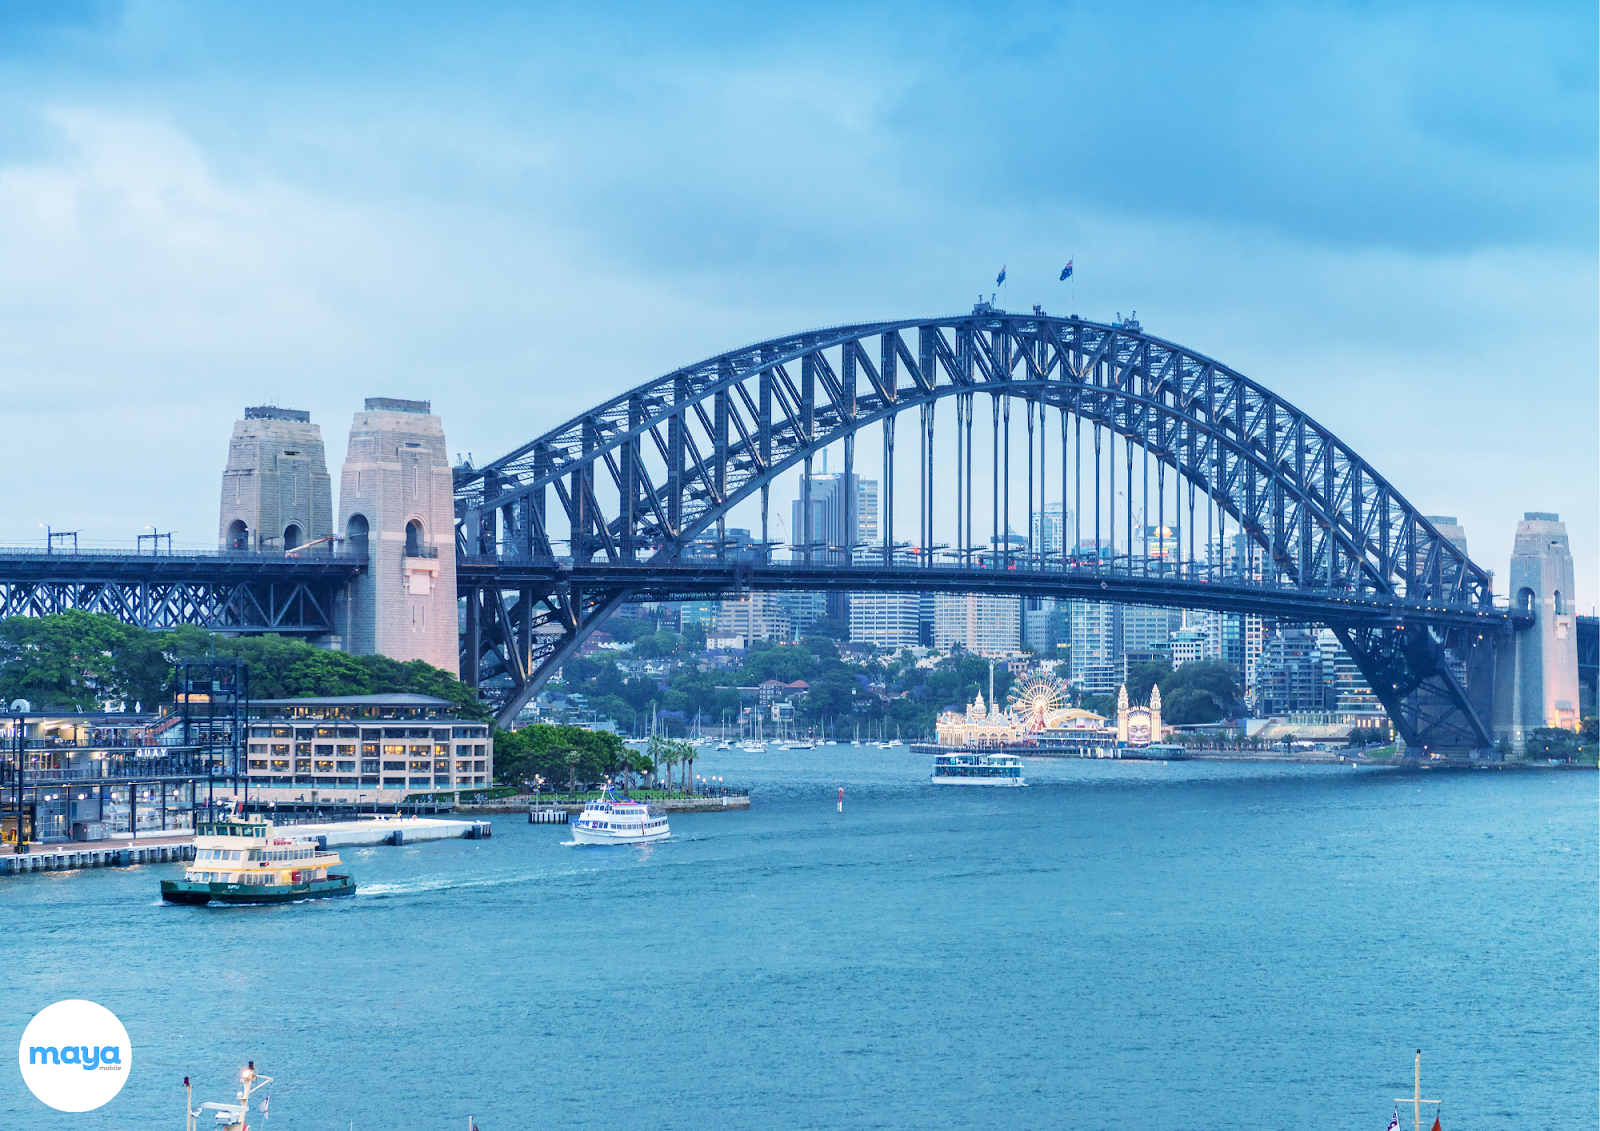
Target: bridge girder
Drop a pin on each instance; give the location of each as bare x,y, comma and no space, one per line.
640,477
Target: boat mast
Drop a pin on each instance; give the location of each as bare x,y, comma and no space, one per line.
1416,1099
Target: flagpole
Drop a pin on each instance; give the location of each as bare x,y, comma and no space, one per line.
1416,1099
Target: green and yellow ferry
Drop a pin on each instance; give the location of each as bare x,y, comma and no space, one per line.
247,861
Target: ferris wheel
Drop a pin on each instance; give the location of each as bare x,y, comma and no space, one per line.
1034,700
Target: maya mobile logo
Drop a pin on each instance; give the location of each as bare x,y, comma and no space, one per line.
75,1055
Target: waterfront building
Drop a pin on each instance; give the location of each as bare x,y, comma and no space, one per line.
1139,725
977,726
365,747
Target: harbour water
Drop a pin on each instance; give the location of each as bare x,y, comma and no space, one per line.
1118,945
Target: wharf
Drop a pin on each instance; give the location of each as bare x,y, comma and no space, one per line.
527,802
101,854
172,849
398,831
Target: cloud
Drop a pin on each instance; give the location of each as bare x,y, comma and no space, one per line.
1387,216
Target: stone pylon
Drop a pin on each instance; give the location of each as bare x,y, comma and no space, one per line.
1544,684
397,506
276,493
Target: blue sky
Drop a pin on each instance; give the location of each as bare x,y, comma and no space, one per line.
1386,213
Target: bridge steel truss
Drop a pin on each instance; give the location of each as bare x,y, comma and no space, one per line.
639,478
238,593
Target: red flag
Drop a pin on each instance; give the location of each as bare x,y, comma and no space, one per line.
1436,1126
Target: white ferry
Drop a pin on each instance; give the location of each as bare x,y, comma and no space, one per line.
248,861
977,768
613,819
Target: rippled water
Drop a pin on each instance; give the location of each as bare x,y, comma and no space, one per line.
1119,945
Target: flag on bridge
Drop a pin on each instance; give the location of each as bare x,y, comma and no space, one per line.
1066,272
1000,278
1394,1123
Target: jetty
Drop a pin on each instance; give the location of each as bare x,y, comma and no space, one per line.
396,831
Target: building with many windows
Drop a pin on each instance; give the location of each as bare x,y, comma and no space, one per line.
888,620
376,747
989,626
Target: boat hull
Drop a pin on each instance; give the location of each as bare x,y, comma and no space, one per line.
196,894
1005,782
611,836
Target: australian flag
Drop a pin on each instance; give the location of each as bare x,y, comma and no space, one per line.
1000,278
1066,272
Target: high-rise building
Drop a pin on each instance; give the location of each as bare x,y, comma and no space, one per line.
1052,528
889,620
1044,623
843,518
1096,632
1289,675
989,626
1146,628
276,493
1348,689
755,616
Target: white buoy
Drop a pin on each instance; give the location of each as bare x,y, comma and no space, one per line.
841,799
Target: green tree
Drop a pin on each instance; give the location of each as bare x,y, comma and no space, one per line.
1551,742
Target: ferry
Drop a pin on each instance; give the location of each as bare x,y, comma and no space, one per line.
248,861
615,819
977,769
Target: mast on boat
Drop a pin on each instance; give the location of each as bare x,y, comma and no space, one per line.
1416,1099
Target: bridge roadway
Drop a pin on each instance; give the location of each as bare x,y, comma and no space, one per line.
1090,582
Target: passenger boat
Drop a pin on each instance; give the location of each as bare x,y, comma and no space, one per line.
248,861
613,818
977,768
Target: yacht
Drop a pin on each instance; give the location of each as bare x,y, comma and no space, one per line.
613,818
754,748
977,768
248,861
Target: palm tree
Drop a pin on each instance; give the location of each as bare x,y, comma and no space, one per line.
572,757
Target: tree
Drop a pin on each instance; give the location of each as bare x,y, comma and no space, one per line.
830,628
1551,742
1589,730
540,750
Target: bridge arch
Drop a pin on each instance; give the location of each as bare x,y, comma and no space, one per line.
637,479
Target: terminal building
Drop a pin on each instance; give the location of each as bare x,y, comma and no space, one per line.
363,748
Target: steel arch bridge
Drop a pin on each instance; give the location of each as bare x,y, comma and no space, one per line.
1296,525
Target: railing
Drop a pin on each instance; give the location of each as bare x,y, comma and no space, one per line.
207,555
1119,567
